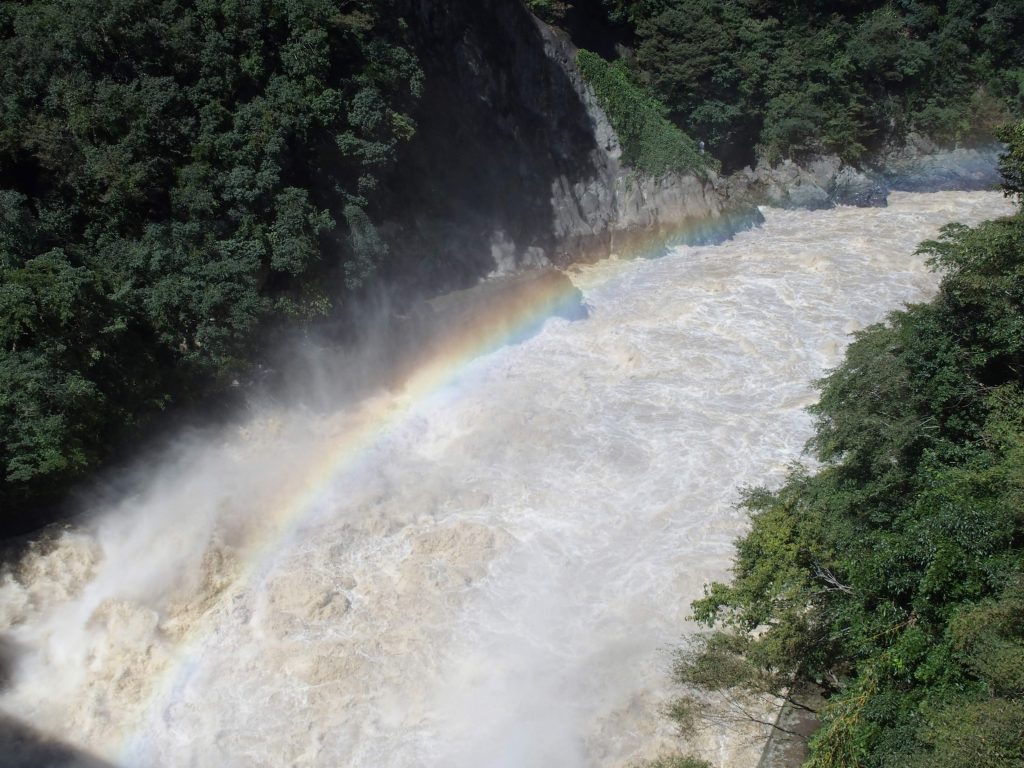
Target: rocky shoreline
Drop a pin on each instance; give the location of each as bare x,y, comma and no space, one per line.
621,208
824,182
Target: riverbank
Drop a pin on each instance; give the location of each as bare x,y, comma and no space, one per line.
902,544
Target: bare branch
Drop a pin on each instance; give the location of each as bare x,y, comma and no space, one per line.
829,578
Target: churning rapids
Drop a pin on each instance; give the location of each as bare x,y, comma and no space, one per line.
495,578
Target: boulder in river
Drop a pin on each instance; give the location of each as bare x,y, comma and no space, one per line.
853,187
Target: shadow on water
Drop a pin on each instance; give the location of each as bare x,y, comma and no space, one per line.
320,372
460,325
22,746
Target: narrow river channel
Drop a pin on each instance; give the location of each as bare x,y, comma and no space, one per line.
495,573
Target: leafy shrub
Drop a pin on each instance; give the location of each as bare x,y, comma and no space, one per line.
651,143
894,576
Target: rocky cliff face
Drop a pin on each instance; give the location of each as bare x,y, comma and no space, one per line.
618,210
514,165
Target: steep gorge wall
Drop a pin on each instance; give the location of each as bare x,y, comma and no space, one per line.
514,165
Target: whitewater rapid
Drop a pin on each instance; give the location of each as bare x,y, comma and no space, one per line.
499,577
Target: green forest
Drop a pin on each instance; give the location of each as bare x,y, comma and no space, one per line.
176,179
762,78
893,576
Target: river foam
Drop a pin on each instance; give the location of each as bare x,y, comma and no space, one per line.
497,579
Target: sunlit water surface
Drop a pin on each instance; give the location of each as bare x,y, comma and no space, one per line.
498,579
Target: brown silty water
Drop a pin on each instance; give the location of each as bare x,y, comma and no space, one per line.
496,579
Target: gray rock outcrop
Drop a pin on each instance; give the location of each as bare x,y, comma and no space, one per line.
822,182
514,164
618,210
853,187
920,165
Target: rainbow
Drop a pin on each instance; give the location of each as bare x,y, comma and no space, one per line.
441,358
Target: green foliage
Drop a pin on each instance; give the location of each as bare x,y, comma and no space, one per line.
969,733
800,78
173,178
551,11
650,142
894,575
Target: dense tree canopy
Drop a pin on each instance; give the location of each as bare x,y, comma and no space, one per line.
786,78
894,576
173,175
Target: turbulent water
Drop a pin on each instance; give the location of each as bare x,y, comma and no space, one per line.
497,577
